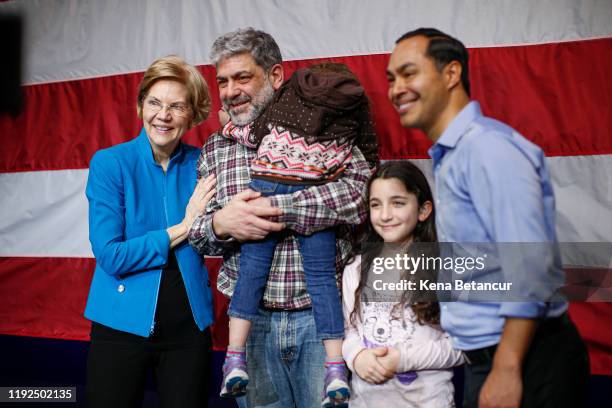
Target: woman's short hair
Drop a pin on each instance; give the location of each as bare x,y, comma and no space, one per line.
176,69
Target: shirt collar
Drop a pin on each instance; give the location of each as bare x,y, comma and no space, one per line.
451,135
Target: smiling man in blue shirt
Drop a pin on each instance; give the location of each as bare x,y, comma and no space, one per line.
492,186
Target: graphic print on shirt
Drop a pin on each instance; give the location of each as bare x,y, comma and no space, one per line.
383,327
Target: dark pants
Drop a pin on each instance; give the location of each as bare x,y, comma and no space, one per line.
555,371
118,364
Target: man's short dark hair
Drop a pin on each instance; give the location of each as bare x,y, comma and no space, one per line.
443,49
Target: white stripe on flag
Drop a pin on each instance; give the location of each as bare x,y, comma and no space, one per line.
82,39
45,213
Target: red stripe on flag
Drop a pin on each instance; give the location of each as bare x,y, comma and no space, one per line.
220,328
45,297
593,323
555,94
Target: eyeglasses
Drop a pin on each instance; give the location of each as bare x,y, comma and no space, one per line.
177,109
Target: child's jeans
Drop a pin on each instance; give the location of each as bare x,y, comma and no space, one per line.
318,257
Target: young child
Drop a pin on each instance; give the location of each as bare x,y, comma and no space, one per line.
304,137
402,336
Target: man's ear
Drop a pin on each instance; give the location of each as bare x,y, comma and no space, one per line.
452,74
276,76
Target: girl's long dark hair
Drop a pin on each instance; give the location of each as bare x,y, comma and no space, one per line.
415,182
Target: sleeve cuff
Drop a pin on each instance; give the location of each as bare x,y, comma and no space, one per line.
285,203
210,231
350,349
161,240
402,365
527,310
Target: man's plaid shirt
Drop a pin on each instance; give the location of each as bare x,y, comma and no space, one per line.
341,202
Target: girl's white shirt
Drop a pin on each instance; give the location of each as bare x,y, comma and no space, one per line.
426,353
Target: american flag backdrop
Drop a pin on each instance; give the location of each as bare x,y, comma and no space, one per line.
540,66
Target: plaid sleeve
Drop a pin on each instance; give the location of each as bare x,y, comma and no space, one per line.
201,235
338,202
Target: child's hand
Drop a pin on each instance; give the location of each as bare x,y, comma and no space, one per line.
391,359
368,367
223,117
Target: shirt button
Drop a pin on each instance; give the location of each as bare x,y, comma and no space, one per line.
444,307
120,288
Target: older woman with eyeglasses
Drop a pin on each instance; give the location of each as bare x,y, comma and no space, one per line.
150,302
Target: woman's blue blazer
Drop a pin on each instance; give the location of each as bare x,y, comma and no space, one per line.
131,203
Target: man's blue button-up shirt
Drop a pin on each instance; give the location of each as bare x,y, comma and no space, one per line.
492,186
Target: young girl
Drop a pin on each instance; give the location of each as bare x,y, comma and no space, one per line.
398,354
303,138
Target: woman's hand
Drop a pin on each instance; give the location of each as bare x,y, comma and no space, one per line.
368,367
203,192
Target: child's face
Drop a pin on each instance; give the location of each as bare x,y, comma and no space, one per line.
394,211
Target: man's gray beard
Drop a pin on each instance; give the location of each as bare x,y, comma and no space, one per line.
258,104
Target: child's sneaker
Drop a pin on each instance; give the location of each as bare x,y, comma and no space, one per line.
235,377
336,389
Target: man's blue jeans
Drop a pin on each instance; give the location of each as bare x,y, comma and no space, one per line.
285,361
319,259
